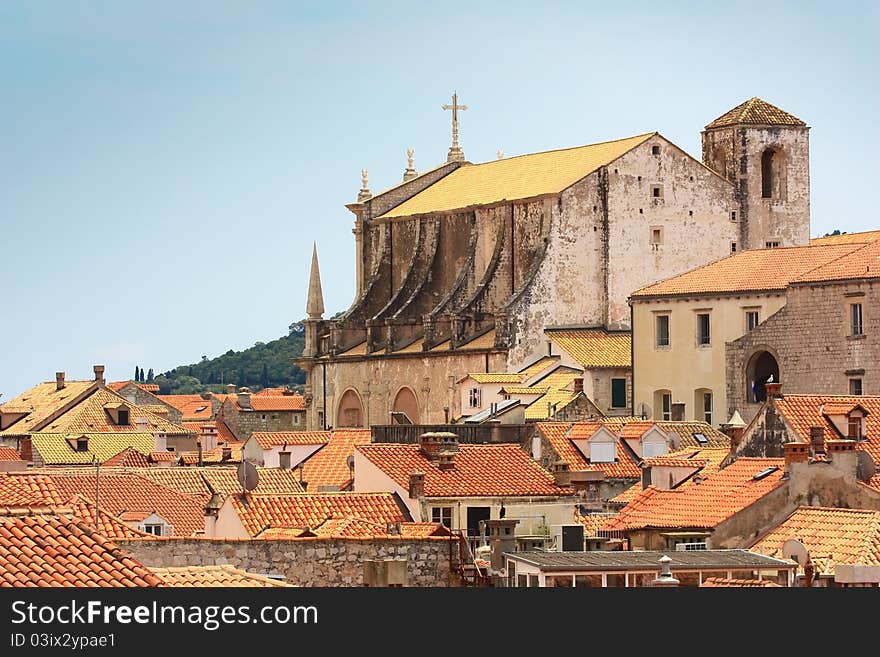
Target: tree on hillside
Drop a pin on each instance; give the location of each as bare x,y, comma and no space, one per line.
150,376
264,381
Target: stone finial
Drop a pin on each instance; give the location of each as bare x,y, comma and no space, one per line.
455,152
364,194
315,302
410,172
500,154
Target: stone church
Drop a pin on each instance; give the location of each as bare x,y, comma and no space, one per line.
461,268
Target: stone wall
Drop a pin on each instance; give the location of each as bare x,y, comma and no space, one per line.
243,423
811,341
143,398
305,562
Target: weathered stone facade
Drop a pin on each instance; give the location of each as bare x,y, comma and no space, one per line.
243,422
811,340
137,395
306,562
438,280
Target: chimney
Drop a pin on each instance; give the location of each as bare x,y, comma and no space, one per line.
99,373
678,411
446,459
226,455
230,389
817,440
734,428
244,398
845,458
502,538
434,442
561,474
416,485
665,578
579,384
206,396
796,453
773,390
25,448
59,380
141,424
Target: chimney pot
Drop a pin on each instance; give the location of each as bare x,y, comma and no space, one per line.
817,440
230,388
99,373
416,485
773,390
678,411
59,380
796,452
244,398
561,474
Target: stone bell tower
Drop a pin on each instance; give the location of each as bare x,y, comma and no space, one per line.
765,152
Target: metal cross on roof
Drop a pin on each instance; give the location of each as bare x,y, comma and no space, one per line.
455,153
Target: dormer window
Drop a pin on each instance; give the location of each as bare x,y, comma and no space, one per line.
854,427
118,413
82,444
123,416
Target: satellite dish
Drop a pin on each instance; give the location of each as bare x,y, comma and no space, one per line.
643,411
248,476
794,549
865,466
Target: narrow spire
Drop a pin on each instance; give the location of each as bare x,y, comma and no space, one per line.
410,172
365,194
315,303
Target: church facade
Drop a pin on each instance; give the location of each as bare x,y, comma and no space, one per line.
462,268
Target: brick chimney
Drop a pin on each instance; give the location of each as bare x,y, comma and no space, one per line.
579,384
416,485
678,411
796,452
25,448
59,380
434,442
230,388
99,373
817,440
561,474
244,398
774,390
206,396
446,459
226,453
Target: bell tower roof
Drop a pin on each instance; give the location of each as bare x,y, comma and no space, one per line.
755,112
315,303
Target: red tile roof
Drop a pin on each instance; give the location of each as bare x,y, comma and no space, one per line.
755,112
222,479
116,386
58,549
121,492
831,535
213,576
41,485
12,494
261,511
105,523
269,439
560,436
129,457
861,263
738,583
224,435
193,407
715,499
480,470
329,465
294,402
847,238
753,270
9,454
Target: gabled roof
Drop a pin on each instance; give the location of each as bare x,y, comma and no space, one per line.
198,481
753,270
540,365
862,263
59,448
41,402
258,512
847,238
559,393
832,536
213,576
269,439
193,407
116,386
514,178
704,505
55,548
105,523
123,492
560,436
224,435
755,112
686,430
594,347
480,470
128,457
493,377
329,465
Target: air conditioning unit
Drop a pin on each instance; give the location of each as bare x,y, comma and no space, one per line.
568,538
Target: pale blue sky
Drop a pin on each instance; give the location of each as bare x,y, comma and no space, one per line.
164,169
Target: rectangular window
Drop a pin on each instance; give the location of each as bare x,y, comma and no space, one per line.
618,393
733,215
442,515
733,247
284,460
855,386
155,530
771,245
656,235
655,150
856,318
474,398
296,419
662,330
656,191
751,319
703,337
667,406
854,427
707,407
123,417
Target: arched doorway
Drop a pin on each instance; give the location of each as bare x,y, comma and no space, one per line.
762,366
406,402
350,412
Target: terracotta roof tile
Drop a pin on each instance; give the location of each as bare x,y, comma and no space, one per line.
261,511
268,439
41,402
514,178
116,386
41,485
738,583
193,407
704,505
560,393
755,112
274,403
480,470
328,467
224,480
560,436
129,457
9,454
484,341
105,523
57,549
60,449
847,238
213,576
831,535
595,347
542,364
754,270
13,494
495,377
861,263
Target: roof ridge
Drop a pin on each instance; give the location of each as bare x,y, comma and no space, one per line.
562,150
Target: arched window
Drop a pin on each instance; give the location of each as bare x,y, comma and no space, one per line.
350,412
773,174
663,405
762,366
406,402
703,405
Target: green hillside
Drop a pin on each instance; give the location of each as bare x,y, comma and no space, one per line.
265,365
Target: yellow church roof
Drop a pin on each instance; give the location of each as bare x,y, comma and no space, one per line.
514,178
595,347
